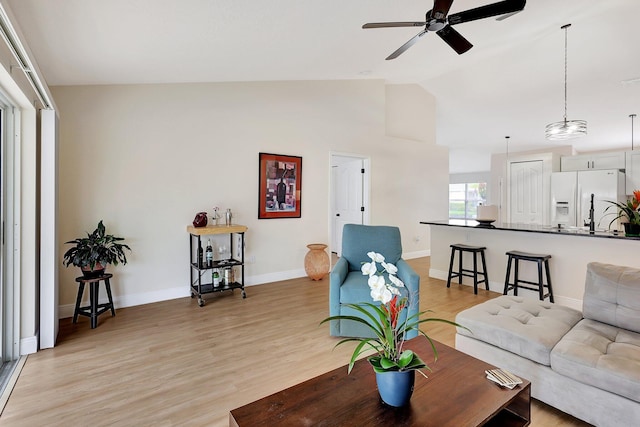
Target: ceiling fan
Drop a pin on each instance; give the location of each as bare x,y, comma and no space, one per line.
437,20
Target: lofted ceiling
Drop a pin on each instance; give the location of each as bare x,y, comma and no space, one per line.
510,83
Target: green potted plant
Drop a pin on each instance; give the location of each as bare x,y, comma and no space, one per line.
394,365
629,212
94,252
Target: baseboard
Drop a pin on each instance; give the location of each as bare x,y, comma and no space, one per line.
416,254
466,281
569,302
29,345
275,277
65,311
499,287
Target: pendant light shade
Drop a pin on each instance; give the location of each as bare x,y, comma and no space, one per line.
565,129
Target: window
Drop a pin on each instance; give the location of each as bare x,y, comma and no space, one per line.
464,199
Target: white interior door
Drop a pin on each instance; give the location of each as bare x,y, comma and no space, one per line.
526,189
348,197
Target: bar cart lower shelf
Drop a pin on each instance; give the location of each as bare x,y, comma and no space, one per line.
235,262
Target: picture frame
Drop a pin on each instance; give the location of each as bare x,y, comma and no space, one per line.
280,186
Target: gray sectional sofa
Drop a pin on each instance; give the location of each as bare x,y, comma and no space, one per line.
585,364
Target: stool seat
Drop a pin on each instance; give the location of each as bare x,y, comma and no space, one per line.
539,286
528,256
93,310
468,248
475,250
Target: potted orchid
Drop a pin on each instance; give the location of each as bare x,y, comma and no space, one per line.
384,320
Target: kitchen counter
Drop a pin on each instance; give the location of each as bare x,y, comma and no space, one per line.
533,228
571,250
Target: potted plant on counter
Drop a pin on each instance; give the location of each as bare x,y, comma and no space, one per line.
629,212
94,252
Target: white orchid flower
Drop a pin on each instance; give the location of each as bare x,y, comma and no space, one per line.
393,290
376,282
369,268
381,294
376,257
396,281
378,287
390,268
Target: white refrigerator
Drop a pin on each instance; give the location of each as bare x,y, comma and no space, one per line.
571,197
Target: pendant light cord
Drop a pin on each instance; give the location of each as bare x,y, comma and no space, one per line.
565,27
633,116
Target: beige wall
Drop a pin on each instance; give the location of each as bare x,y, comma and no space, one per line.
146,158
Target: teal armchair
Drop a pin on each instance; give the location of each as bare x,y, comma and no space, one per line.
347,284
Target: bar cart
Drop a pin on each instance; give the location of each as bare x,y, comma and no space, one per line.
198,267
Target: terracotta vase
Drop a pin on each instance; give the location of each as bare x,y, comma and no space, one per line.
316,262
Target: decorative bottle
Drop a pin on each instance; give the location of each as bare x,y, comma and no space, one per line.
227,217
216,278
200,257
209,254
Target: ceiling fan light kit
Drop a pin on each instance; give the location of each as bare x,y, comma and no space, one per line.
439,21
565,129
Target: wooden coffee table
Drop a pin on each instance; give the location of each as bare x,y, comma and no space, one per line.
456,393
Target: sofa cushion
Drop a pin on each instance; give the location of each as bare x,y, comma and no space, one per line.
612,295
600,355
526,327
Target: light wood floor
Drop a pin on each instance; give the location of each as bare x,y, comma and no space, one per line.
174,363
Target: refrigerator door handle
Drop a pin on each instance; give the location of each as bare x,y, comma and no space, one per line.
578,198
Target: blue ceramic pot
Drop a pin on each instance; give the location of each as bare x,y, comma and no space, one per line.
396,387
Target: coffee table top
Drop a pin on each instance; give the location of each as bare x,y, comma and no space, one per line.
456,393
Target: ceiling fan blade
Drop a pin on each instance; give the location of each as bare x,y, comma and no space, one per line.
508,15
406,46
441,8
393,24
499,8
454,39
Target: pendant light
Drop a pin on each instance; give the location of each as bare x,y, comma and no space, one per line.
566,129
507,142
633,116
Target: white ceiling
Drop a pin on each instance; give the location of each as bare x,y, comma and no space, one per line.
510,83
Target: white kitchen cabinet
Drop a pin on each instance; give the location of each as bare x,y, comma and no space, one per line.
581,162
632,166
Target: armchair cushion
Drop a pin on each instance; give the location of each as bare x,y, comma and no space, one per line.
358,240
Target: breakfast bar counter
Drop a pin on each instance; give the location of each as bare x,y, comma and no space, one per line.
571,250
534,228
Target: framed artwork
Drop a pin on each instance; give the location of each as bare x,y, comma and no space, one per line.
280,186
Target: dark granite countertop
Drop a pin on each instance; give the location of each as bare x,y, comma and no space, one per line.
532,228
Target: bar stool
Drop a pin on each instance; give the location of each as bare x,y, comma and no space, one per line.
475,250
93,310
539,259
